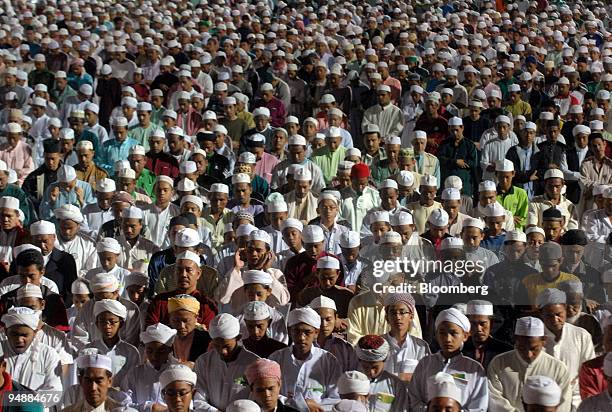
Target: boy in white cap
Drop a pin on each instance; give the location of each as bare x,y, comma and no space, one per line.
109,251
177,384
452,331
276,213
509,372
81,294
145,126
134,246
118,146
242,200
96,214
126,182
603,400
387,116
156,217
487,194
291,230
554,181
140,383
451,202
512,198
494,234
16,153
482,346
541,393
495,143
72,241
263,328
443,393
319,368
221,371
437,228
68,190
421,210
328,157
30,362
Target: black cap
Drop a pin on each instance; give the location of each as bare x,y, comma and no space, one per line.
574,237
52,146
179,221
191,218
205,137
552,213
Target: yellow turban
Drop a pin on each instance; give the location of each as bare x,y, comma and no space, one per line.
184,302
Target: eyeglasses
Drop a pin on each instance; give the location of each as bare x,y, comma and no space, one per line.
174,394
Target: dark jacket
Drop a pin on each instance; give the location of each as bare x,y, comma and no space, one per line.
492,348
199,346
520,175
54,313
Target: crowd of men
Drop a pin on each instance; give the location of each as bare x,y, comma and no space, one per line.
305,206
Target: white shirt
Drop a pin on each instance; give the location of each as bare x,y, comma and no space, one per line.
495,149
57,340
142,385
388,393
119,272
219,382
142,250
278,244
82,249
277,329
314,378
597,226
413,348
124,357
96,217
158,222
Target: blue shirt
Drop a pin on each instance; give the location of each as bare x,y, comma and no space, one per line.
47,206
77,81
494,243
113,150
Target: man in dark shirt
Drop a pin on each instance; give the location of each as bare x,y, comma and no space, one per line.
482,347
38,180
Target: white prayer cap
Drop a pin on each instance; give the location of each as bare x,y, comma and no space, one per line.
297,140
541,391
186,185
119,121
581,129
607,366
158,333
455,121
405,178
42,227
420,134
291,222
349,239
453,182
479,307
13,128
553,173
451,194
256,310
349,405
487,186
442,385
380,216
429,180
256,276
388,184
550,296
110,305
261,111
23,247
353,151
187,237
224,326
189,255
21,316
196,200
243,405
302,175
85,145
108,244
453,315
132,212
69,212
328,262
494,210
451,243
529,326
391,237
383,88
245,229
438,217
323,302
96,360
401,218
535,229
313,234
219,188
80,287
106,185
9,202
177,372
304,315
393,140
3,166
353,382
516,236
504,165
327,195
571,287
247,157
241,178
188,166
66,173
530,126
29,290
502,119
126,173
260,235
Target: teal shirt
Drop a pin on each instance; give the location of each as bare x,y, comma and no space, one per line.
47,206
141,134
24,204
113,150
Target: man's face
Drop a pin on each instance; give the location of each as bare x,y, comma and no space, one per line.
428,194
572,254
85,157
327,278
552,228
95,383
371,142
20,338
450,337
68,229
183,321
419,145
157,144
505,179
242,192
225,347
303,337
9,218
550,268
108,324
52,161
163,192
175,143
554,317
157,353
328,209
481,327
187,273
297,153
257,328
178,396
218,201
333,143
384,98
44,242
313,249
3,180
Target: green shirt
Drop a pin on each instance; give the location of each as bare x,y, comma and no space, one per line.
157,116
328,161
24,204
141,135
146,181
516,202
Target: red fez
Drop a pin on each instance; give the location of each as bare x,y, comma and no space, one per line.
360,171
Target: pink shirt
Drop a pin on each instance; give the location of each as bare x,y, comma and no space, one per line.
18,158
264,166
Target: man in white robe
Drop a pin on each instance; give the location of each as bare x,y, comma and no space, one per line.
157,215
70,240
388,117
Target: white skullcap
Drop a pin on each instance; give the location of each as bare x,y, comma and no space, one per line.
323,302
442,385
110,305
479,307
550,296
438,217
224,326
29,290
455,121
256,310
304,315
313,234
451,243
580,129
453,182
69,212
188,166
328,262
429,180
158,333
401,218
260,235
245,229
79,287
405,178
187,185
553,173
302,175
380,216
243,405
541,391
257,276
535,229
189,255
105,186
487,186
454,316
9,202
502,119
353,382
516,236
451,194
177,372
241,178
349,405
196,200
529,326
187,237
104,282
494,210
261,111
391,237
21,316
291,222
13,128
219,188
297,140
137,279
393,140
247,157
504,165
108,244
66,173
420,134
132,212
350,239
96,360
388,184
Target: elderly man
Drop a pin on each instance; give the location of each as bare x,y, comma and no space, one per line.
67,191
509,372
358,198
301,203
16,153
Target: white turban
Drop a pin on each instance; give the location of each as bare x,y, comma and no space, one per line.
541,391
177,372
95,361
353,382
349,405
158,333
104,282
372,348
21,316
304,315
323,302
224,326
442,385
256,311
454,316
110,305
243,405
